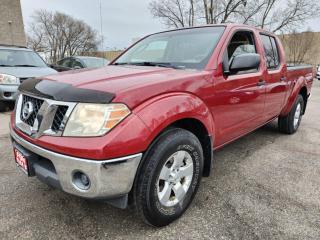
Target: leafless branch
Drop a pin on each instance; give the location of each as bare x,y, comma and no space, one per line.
273,15
60,35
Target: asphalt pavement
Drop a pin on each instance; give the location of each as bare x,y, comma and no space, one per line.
264,186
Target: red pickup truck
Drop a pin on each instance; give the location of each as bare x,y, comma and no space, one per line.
142,130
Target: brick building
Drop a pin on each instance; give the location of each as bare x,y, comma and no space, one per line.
11,23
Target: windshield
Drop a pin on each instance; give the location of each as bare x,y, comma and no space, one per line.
94,62
188,48
20,58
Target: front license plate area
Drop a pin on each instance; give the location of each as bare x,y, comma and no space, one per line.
21,161
24,159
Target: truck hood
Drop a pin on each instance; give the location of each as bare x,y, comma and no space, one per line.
27,72
132,84
112,78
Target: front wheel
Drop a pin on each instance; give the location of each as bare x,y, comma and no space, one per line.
289,124
169,177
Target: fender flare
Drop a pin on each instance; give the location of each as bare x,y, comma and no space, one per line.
298,84
160,112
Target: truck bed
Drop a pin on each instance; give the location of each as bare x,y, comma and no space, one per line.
306,71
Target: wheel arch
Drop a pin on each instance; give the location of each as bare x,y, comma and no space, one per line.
199,130
299,87
304,93
184,111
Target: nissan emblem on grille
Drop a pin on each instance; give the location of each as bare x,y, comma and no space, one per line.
37,116
27,110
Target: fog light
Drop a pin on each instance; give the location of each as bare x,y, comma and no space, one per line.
81,180
7,94
85,180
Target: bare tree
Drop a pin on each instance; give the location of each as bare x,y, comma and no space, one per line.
174,13
60,35
35,42
221,11
279,15
298,46
273,15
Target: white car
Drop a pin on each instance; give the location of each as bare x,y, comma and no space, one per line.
318,73
16,65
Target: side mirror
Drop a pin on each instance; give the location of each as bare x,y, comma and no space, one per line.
245,62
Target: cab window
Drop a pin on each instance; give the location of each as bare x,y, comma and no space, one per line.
242,42
65,62
270,51
76,64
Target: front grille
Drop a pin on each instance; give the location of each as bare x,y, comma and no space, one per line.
37,103
58,118
40,116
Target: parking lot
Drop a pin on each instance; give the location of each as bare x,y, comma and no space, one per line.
264,186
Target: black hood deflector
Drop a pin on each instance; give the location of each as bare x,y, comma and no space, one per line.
63,92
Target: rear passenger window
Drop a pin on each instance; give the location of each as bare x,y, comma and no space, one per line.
271,51
275,51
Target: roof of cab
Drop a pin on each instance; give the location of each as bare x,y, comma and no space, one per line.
229,25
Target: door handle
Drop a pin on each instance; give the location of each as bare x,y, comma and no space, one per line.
261,82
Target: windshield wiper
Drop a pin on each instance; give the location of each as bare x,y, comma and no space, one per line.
121,63
24,65
163,64
152,64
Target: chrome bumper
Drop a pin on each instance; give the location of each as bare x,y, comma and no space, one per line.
108,178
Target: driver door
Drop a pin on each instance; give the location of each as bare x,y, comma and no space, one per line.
240,97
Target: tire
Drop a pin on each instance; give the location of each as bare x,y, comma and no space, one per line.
159,195
289,124
3,106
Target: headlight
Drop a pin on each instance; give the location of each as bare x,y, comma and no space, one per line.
92,120
8,79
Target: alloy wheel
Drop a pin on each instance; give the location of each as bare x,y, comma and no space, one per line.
175,178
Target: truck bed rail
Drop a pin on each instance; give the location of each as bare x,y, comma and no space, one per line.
291,67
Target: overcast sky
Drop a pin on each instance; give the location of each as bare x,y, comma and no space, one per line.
123,20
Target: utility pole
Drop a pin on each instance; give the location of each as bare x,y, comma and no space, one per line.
101,32
101,27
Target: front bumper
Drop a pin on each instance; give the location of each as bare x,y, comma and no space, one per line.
8,92
108,179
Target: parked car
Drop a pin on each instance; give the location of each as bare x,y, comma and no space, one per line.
16,65
78,62
318,72
143,130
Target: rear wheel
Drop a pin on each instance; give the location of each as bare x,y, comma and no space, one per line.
169,177
289,124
